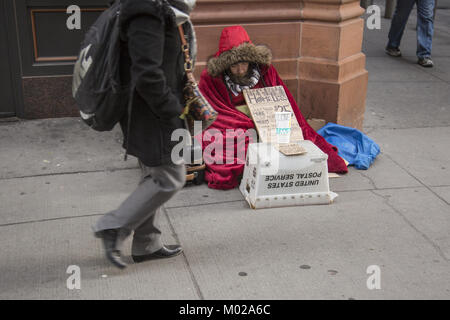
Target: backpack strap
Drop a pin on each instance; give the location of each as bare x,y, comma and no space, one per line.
188,65
129,109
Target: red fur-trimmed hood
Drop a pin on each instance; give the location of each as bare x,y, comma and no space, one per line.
235,46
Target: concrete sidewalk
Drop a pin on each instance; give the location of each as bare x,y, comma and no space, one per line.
57,177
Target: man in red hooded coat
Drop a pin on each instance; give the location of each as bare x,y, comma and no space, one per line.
238,65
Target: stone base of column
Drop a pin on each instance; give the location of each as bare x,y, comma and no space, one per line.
334,91
332,75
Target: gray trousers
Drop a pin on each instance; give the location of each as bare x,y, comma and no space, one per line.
141,210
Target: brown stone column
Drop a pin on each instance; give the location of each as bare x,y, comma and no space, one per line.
332,75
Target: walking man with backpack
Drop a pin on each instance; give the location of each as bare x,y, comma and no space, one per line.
152,61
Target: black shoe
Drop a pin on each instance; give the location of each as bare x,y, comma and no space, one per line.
393,52
110,239
164,252
425,62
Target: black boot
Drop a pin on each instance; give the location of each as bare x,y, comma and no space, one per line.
111,240
165,252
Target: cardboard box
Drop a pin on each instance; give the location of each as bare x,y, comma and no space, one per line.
272,179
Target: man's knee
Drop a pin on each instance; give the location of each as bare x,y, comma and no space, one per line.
174,178
180,182
427,15
181,178
426,10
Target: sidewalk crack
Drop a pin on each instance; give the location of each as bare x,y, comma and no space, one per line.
418,180
68,173
186,261
390,205
202,204
370,180
49,219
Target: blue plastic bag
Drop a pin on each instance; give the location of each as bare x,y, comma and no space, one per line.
353,145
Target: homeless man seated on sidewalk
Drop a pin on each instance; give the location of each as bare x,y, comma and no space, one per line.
239,64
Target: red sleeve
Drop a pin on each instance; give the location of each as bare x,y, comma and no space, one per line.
226,175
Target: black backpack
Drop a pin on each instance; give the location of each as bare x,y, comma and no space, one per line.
97,88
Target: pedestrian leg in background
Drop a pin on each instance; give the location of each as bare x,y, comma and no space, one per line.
139,213
425,9
398,23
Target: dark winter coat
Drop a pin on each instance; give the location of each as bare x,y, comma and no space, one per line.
151,56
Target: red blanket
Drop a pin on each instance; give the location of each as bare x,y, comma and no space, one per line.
226,176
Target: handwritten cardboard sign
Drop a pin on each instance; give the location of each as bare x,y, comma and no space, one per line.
263,103
290,149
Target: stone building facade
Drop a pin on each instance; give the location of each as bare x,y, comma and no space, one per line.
316,46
